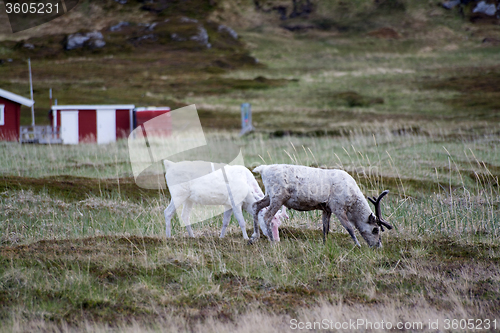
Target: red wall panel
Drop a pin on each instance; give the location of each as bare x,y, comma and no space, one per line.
12,116
58,119
87,125
122,123
143,116
158,127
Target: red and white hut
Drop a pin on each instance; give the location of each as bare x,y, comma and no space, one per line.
10,114
144,114
162,127
93,123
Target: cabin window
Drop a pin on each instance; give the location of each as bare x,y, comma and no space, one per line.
2,114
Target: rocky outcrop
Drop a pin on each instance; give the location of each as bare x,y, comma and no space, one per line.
286,9
450,4
482,7
476,10
179,32
119,26
223,29
201,37
93,39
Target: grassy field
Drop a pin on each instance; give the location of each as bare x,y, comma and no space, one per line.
87,248
82,248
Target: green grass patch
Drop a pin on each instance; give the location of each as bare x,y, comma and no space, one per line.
117,279
72,188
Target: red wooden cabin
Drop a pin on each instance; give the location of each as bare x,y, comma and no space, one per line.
10,114
92,123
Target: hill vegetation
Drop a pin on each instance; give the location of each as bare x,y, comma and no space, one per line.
165,52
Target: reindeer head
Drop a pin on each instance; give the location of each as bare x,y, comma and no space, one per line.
377,223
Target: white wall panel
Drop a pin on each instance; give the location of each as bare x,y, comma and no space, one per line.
106,126
69,127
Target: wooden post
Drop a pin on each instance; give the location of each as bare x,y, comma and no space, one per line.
31,89
246,118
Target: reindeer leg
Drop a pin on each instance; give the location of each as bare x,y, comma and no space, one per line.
186,210
342,216
169,213
257,207
326,224
241,220
225,222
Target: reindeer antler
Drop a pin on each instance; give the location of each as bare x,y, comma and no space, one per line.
376,202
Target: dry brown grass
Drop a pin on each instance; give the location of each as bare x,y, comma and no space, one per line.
417,317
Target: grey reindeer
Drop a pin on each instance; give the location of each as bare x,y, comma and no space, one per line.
332,191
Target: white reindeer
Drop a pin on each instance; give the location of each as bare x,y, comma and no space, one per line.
205,183
332,191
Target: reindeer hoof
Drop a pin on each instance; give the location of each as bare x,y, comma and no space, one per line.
252,241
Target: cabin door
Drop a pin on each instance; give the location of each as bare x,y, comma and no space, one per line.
69,127
106,126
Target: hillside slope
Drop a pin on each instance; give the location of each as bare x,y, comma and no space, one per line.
409,18
280,55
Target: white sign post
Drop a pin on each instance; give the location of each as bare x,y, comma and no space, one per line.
246,118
